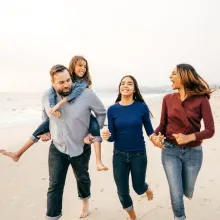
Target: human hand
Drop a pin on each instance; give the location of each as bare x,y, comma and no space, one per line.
105,134
184,138
45,137
88,139
54,112
157,140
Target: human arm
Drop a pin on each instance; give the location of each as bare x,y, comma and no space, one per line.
110,133
97,107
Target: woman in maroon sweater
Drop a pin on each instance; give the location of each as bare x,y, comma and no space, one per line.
180,123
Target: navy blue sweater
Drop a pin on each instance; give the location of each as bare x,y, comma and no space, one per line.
125,125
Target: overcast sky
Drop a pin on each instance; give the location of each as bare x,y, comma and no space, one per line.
143,38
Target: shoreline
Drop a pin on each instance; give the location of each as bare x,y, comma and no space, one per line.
24,184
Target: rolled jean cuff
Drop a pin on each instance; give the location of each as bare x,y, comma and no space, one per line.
97,139
33,138
146,188
88,197
129,208
53,218
180,218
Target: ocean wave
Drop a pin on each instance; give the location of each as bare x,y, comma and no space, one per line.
23,109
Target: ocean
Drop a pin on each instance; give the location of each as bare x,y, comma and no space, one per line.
25,108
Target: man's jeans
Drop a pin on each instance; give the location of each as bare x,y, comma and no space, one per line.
123,164
181,166
58,166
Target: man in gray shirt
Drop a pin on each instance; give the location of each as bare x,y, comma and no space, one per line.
67,146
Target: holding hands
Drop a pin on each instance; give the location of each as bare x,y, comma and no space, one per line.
157,140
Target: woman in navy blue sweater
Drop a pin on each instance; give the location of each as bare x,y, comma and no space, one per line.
125,120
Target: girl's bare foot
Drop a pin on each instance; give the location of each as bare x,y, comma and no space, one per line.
190,198
101,167
132,215
85,209
149,194
14,156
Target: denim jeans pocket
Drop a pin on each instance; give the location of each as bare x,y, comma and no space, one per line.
87,152
115,152
54,150
199,148
168,145
142,155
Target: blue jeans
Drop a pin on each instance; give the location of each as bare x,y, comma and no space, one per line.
58,166
124,164
181,165
44,128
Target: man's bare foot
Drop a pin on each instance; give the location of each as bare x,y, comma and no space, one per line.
149,194
85,209
14,156
101,167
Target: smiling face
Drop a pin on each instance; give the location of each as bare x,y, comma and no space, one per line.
62,82
176,82
80,68
127,87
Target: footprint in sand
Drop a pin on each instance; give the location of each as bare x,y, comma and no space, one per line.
15,201
31,206
207,200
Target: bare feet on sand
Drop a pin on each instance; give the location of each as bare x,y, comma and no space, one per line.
14,156
132,215
85,209
190,198
149,194
101,167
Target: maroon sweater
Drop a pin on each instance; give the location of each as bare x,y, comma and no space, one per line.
185,117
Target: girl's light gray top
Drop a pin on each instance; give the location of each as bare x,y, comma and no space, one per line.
69,131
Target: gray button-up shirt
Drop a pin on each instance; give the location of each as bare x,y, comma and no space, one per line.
69,131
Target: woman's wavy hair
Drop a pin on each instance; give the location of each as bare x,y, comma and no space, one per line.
193,83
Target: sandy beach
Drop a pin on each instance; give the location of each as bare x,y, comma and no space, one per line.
24,184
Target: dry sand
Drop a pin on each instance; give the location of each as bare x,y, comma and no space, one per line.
24,184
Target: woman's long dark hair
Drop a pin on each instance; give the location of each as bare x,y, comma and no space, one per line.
137,94
193,83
